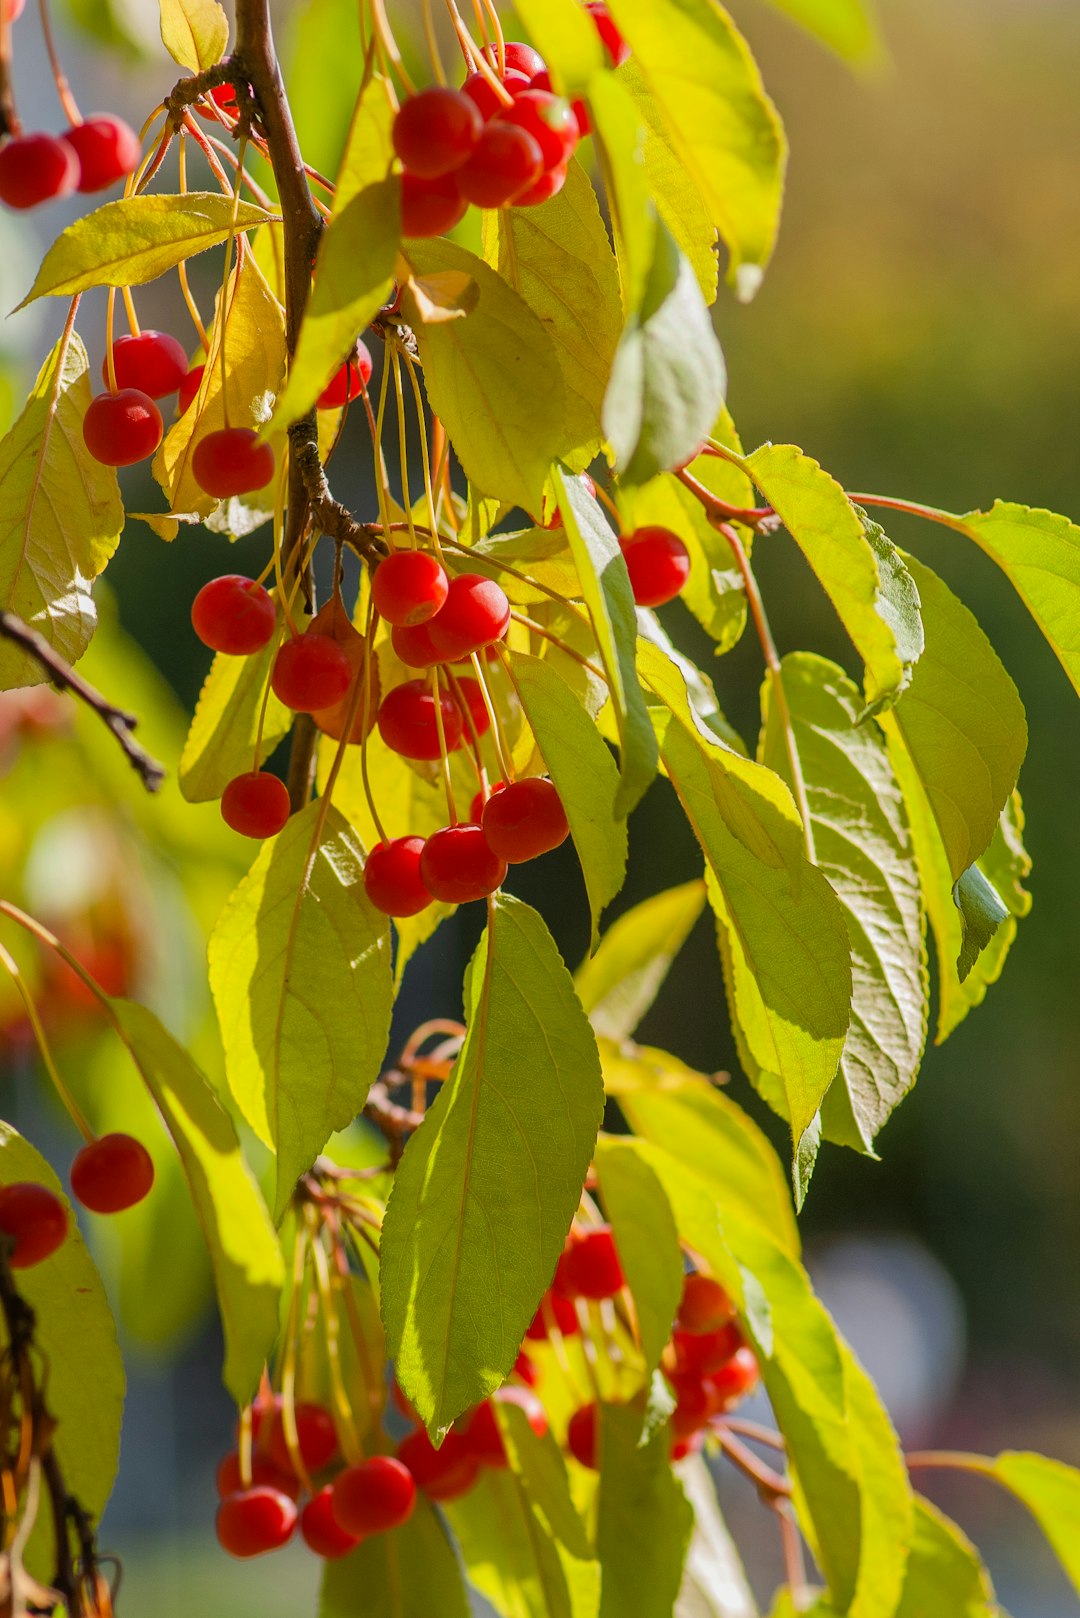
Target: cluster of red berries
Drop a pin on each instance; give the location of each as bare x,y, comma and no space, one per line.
107,1176
504,139
90,156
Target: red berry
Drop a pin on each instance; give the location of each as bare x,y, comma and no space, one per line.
525,819
705,1352
542,81
232,461
122,428
457,865
348,381
475,614
374,1496
507,161
476,810
224,97
443,1474
682,1447
562,1312
255,1521
615,45
547,186
315,1432
255,804
704,1306
311,671
525,1368
519,57
320,1531
590,1266
436,130
695,1403
582,1437
13,9
112,1174
414,647
189,387
35,1218
392,878
550,120
107,149
482,1435
481,91
36,168
332,620
408,723
736,1379
470,700
430,207
409,587
233,614
263,1474
658,564
153,361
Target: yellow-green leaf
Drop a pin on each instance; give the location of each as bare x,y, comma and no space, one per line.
644,1520
221,741
620,982
647,1239
566,40
847,27
194,32
1051,1492
136,239
945,1578
410,1573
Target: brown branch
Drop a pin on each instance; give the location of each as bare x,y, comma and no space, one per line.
61,674
328,515
769,1484
761,518
188,90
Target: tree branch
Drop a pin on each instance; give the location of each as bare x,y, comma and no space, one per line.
61,674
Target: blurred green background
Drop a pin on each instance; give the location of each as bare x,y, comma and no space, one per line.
918,333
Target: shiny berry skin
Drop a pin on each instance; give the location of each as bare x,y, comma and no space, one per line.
563,1313
392,878
348,381
615,45
658,564
518,56
708,1351
547,186
264,1474
311,671
695,1404
550,120
468,692
255,1521
475,614
358,707
704,1306
408,723
374,1496
35,169
320,1531
476,809
524,820
255,804
232,461
233,614
112,1174
409,587
430,207
35,1218
107,149
153,362
590,1266
736,1379
445,1473
224,98
122,428
582,1437
507,161
482,1436
542,81
457,865
188,388
414,647
435,131
479,89
315,1431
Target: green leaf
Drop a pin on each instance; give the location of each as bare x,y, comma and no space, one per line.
856,566
605,585
369,147
648,1242
579,763
566,40
864,846
1051,1492
721,123
194,32
668,380
511,1557
847,27
411,1573
945,1578
300,973
620,135
539,1463
644,1520
620,982
494,379
60,516
76,1342
559,261
136,239
221,741
353,278
244,1251
886,1504
487,1188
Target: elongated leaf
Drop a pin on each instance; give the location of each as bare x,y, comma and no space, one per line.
864,846
605,585
644,1520
620,982
945,1578
136,239
369,149
584,771
194,32
886,1503
244,1251
847,26
559,261
647,1239
487,1188
620,133
1051,1492
76,1342
858,569
221,741
300,972
565,39
720,121
411,1573
513,1560
505,434
60,516
539,1464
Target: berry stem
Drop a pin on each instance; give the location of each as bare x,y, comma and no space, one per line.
346,1426
369,638
432,40
769,1484
498,740
911,508
791,1546
444,757
424,456
63,88
751,516
129,310
291,1339
403,442
11,966
110,326
557,640
388,44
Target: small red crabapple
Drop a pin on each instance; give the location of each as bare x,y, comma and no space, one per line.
112,1174
107,149
35,169
255,1521
457,865
35,1219
658,564
122,428
232,461
255,804
436,130
373,1496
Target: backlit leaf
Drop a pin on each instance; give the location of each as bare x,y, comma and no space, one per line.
647,1240
411,1573
620,982
194,32
221,741
1051,1492
566,40
847,26
511,1557
644,1520
945,1578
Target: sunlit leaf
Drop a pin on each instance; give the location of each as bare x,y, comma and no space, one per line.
221,741
513,1559
945,1578
647,1240
1051,1492
194,32
643,1519
410,1573
622,979
848,27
